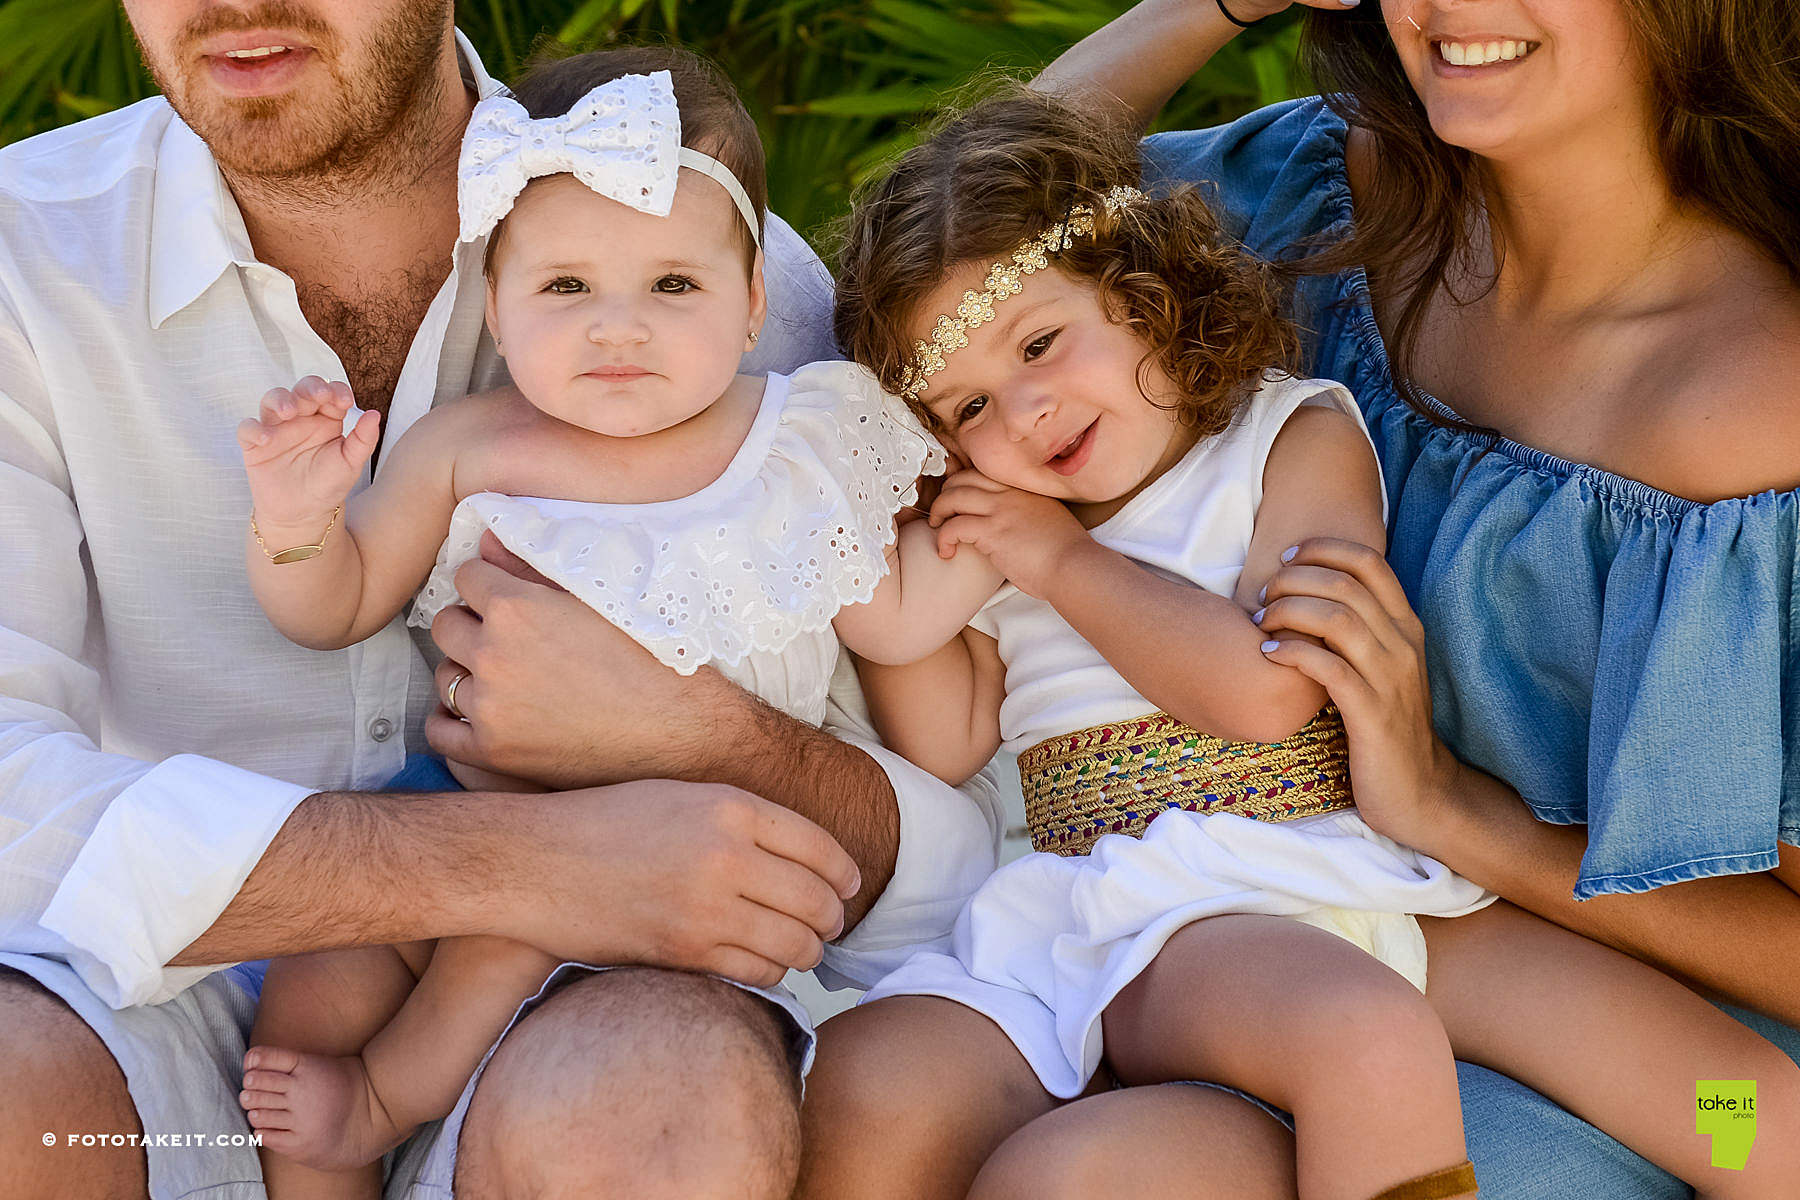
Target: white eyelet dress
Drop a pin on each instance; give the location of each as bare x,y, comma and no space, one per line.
746,573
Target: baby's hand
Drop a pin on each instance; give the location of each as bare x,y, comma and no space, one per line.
1023,534
300,463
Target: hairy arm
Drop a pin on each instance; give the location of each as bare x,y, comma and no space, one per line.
1198,655
922,604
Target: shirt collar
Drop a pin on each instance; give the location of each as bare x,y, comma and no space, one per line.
196,229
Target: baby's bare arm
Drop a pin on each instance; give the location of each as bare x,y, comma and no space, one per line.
380,546
922,604
942,712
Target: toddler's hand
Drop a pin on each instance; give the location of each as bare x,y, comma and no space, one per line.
300,463
1022,533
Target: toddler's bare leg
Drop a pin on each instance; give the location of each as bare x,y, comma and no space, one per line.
1614,1041
343,1111
320,1005
1307,1021
1174,1142
907,1097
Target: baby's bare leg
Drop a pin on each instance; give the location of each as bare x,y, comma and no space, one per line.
337,1112
1307,1021
323,1006
1614,1041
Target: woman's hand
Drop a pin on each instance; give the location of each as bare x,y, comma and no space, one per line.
1372,663
1024,535
300,462
1256,10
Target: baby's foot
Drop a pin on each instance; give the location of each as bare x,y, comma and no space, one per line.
317,1109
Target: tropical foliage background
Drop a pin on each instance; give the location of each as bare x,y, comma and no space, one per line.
837,85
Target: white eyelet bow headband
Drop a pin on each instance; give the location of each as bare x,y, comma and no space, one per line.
623,140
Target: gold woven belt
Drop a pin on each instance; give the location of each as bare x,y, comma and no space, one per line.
1118,778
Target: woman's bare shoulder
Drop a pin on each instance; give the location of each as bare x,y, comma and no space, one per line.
1731,420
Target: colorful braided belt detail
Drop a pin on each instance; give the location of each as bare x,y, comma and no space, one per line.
1118,778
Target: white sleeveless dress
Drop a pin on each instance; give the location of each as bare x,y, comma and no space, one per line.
746,573
1049,940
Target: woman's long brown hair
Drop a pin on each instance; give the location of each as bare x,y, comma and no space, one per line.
1725,78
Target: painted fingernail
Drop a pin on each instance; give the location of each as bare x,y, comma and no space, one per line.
1349,3
1257,615
1288,554
1263,594
1268,646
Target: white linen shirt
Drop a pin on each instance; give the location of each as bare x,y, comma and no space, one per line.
155,729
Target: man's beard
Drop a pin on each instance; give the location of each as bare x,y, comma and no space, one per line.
361,120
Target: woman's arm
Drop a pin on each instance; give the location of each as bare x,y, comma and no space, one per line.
922,604
1144,55
1737,936
942,712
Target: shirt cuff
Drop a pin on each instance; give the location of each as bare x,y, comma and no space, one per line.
949,845
166,857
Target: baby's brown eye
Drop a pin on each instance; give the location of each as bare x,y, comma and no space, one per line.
1037,346
971,408
674,285
566,285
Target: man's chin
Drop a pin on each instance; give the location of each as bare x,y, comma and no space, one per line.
264,136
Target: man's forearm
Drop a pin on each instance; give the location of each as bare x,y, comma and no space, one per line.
357,869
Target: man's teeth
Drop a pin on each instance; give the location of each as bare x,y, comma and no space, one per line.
259,52
1479,54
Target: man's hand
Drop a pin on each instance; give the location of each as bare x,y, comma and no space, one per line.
698,876
556,693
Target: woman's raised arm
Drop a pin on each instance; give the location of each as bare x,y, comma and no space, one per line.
1146,53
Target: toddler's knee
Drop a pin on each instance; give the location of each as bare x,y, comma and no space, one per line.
1379,1031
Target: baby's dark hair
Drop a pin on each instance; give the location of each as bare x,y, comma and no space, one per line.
713,119
1006,169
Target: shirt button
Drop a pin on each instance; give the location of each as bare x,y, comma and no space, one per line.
381,729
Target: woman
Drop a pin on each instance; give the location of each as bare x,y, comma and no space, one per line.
1574,341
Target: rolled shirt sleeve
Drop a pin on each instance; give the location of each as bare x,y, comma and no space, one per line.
108,862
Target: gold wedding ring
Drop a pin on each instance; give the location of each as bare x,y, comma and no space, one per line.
450,696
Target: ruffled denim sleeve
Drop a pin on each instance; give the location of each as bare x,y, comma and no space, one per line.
1622,657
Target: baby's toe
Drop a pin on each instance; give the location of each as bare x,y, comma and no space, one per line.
271,1058
251,1100
276,1082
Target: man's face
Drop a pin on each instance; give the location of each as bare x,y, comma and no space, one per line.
286,88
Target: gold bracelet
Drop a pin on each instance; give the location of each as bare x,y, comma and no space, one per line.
294,554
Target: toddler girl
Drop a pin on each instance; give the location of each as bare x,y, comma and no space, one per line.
716,517
1212,906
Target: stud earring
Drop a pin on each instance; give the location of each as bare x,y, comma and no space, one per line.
754,334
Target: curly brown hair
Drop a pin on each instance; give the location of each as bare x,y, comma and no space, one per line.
1007,168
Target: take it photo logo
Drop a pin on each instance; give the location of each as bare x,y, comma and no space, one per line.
1726,1109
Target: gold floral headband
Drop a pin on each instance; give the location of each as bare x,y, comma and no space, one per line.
1004,280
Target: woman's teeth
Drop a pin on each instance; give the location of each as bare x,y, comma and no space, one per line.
1480,54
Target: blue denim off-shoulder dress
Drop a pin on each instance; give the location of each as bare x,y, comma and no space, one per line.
1624,658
